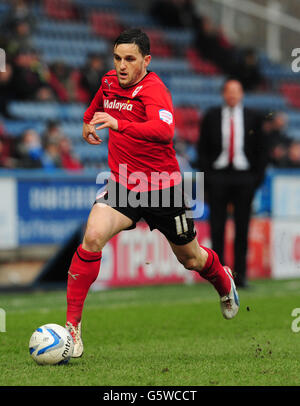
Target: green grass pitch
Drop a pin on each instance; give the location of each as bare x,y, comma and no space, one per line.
160,336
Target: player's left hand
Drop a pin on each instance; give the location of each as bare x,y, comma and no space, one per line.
107,121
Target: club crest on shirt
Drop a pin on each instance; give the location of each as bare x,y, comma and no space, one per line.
137,89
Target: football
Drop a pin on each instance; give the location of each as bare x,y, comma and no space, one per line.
51,344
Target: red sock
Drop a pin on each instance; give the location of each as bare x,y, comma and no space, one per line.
214,272
82,273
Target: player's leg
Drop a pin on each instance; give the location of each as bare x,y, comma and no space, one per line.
175,222
103,223
206,262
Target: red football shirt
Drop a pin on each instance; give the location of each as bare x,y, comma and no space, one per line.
143,144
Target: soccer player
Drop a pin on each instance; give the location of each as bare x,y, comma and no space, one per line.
136,107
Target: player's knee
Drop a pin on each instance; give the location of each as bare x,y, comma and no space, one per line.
94,239
190,263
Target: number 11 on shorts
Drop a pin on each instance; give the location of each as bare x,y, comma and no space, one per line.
181,224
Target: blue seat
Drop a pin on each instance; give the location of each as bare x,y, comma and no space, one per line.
72,46
195,84
104,5
198,99
294,133
293,118
46,110
75,61
17,127
265,101
91,153
46,27
170,66
179,37
137,19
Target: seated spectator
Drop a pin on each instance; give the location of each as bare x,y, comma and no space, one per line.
29,150
247,70
68,159
6,89
19,11
50,158
92,73
182,156
53,133
30,77
211,45
278,142
6,159
19,38
293,155
3,155
173,13
279,155
61,82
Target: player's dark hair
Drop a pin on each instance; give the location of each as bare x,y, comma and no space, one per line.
135,36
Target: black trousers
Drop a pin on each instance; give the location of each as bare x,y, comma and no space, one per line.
237,188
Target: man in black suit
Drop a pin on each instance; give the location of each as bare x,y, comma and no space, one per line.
232,152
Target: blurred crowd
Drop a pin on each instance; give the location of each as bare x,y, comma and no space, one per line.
28,78
49,150
284,151
210,41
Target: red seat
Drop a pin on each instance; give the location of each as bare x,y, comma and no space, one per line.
81,94
200,65
291,91
159,45
106,25
60,9
187,122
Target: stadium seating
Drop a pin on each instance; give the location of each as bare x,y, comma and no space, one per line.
69,30
46,111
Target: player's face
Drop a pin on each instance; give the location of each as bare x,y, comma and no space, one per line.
233,93
130,64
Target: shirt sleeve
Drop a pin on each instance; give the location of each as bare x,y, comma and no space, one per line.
96,105
159,126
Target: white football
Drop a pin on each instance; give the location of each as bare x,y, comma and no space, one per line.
51,344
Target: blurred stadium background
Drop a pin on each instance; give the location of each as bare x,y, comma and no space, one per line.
56,52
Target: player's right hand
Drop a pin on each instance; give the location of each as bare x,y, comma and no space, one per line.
89,134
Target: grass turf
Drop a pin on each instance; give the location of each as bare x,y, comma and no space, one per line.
160,336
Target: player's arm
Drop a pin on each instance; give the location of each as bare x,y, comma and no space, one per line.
88,129
159,126
155,129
